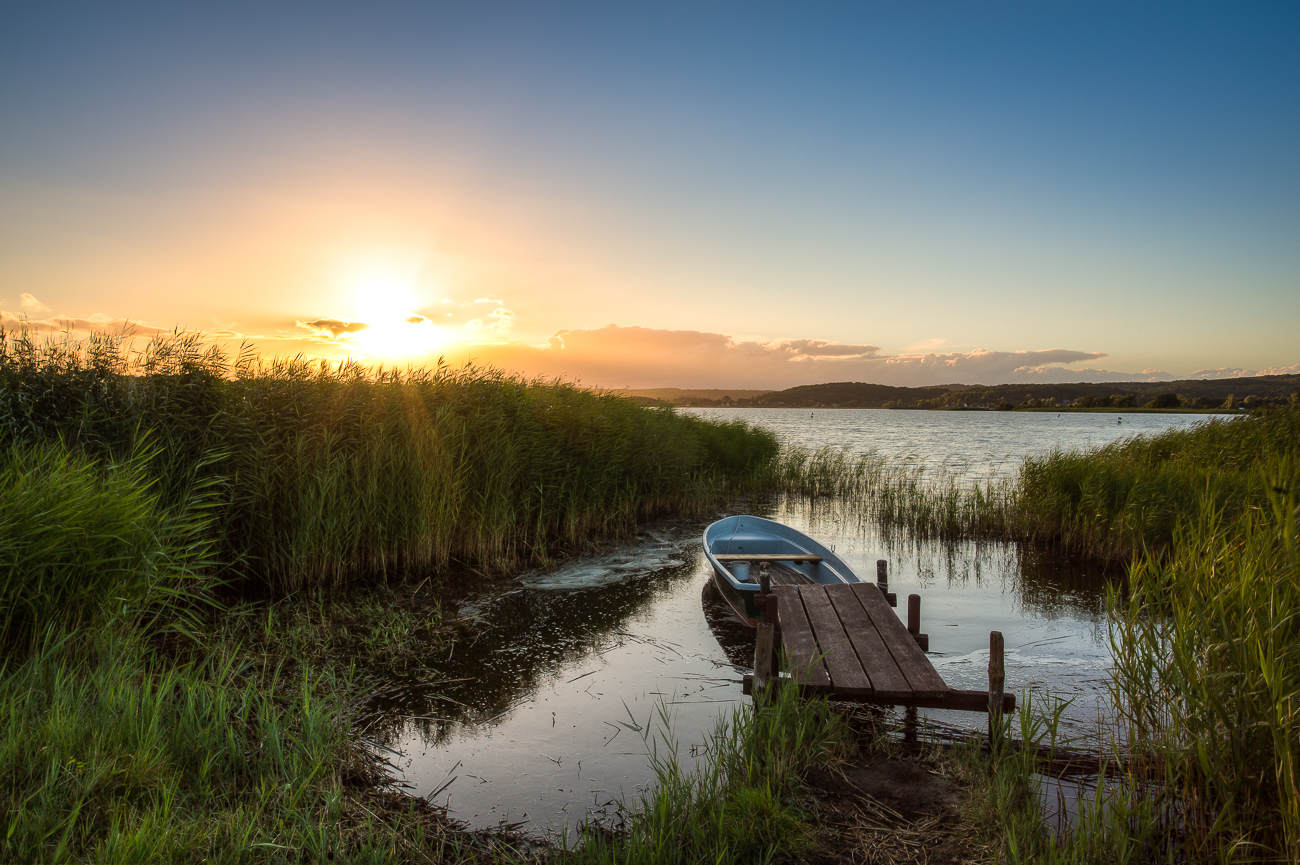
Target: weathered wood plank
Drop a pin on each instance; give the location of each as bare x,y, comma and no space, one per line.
961,701
911,661
806,664
847,675
886,679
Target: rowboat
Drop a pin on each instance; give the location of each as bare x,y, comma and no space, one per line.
742,549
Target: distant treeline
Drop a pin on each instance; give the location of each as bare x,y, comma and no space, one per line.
1256,391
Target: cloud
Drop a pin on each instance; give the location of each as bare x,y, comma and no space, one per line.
98,323
502,319
614,356
30,304
1233,372
822,348
332,327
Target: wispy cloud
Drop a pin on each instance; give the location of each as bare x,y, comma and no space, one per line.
1234,372
30,306
646,357
333,328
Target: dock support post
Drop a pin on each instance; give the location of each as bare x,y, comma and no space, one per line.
997,681
765,664
882,582
914,622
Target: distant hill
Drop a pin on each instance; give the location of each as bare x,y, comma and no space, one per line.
1205,392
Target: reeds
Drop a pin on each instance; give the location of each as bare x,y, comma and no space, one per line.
899,495
1207,679
735,805
82,543
325,474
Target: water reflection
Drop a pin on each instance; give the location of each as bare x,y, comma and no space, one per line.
539,711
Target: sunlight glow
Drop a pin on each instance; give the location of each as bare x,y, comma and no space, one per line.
396,329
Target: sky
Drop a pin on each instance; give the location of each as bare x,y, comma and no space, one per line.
663,194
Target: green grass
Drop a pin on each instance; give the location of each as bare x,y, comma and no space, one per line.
82,544
738,803
112,751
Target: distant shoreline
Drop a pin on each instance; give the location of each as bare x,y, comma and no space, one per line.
1061,409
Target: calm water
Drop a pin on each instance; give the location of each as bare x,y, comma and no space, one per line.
544,709
978,444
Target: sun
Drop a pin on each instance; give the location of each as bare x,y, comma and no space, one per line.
395,329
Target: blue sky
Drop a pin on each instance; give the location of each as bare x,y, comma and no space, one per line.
779,194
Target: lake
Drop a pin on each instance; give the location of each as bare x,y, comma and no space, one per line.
543,710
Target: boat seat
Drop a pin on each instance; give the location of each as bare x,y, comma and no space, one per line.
797,558
782,575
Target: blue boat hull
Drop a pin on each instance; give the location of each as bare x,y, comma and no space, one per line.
746,534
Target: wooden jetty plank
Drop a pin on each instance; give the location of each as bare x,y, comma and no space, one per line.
886,679
847,676
767,557
912,662
806,665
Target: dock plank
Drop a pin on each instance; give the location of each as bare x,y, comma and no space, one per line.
912,662
842,662
887,680
806,664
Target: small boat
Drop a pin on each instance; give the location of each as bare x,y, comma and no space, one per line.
740,549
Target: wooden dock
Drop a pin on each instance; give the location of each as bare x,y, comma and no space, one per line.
846,643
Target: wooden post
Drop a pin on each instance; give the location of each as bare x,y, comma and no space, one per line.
882,582
764,648
997,680
765,670
914,622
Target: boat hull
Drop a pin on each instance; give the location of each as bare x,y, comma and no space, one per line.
738,580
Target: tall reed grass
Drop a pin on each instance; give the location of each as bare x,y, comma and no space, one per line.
325,474
1139,493
1207,679
81,544
736,804
899,495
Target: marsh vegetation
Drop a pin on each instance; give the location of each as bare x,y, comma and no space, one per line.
189,537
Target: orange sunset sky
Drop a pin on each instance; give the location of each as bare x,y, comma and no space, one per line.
730,195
